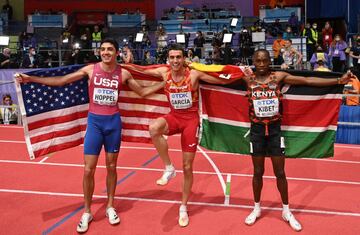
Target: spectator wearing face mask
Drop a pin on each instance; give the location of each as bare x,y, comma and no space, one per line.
5,58
355,54
8,114
199,42
312,37
288,34
327,37
31,59
319,55
50,59
337,54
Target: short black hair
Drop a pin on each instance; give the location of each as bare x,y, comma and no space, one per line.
111,41
262,50
176,47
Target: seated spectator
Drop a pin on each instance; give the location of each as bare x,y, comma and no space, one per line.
77,56
320,66
50,59
31,59
5,58
337,54
352,87
319,55
8,115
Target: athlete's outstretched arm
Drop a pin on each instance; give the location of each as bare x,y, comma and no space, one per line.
315,81
135,86
208,78
155,72
55,81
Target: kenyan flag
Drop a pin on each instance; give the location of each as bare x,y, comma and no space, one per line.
309,121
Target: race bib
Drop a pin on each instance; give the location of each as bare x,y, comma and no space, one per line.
181,100
336,52
266,107
326,37
103,96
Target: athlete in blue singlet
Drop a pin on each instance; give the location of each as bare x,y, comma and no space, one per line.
104,124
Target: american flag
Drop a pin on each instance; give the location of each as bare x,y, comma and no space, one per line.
54,118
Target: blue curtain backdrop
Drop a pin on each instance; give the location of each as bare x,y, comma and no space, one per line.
335,9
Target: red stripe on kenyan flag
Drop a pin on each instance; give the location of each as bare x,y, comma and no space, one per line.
311,113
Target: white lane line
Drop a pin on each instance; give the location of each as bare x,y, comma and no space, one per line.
195,172
324,212
44,159
216,169
216,152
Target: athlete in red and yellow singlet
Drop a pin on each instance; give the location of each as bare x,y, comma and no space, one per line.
181,89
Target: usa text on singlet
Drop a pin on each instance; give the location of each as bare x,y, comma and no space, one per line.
264,101
104,90
180,94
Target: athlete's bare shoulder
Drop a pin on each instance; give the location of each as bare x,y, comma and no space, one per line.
88,69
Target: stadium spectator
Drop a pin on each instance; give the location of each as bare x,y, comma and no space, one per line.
290,55
5,58
278,44
294,23
355,54
311,39
288,34
31,59
8,115
7,8
320,55
327,37
337,54
199,42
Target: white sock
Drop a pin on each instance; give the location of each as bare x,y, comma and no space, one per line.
286,208
183,208
169,167
257,206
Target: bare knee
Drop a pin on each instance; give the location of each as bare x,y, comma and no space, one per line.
258,172
156,128
187,168
89,171
280,174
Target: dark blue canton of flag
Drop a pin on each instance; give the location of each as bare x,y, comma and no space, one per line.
39,98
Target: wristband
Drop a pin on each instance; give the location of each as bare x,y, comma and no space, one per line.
338,80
